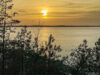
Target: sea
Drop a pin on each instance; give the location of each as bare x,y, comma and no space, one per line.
69,38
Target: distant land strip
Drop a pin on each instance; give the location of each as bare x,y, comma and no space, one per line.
52,26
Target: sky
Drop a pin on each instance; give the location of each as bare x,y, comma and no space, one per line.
60,12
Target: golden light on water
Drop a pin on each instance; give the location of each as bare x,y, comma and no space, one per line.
44,12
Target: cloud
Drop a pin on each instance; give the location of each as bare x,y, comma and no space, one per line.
95,12
92,14
69,5
75,11
21,10
67,13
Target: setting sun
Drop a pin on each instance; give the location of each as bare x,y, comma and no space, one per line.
49,37
44,12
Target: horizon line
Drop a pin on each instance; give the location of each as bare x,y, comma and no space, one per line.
54,26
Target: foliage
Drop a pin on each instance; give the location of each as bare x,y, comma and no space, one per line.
96,62
23,56
84,60
6,19
26,57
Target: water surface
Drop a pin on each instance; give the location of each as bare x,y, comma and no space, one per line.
68,37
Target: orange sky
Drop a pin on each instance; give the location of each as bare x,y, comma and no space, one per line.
60,12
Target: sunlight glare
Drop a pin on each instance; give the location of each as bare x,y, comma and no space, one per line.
44,12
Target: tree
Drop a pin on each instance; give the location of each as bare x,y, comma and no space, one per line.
96,62
5,20
80,60
42,59
25,56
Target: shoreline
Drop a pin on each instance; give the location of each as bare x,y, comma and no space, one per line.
46,26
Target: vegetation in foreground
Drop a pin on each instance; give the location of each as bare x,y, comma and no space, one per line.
26,57
22,56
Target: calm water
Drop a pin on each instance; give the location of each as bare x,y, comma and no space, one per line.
68,37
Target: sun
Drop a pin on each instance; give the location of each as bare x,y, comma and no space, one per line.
44,12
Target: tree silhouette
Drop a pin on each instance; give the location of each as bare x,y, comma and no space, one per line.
5,20
96,62
27,57
80,60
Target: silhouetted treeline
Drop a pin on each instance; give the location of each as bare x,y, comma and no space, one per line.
26,56
84,60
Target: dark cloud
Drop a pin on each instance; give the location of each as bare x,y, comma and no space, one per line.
66,13
21,10
70,5
95,12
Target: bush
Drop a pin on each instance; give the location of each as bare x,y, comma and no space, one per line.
26,57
